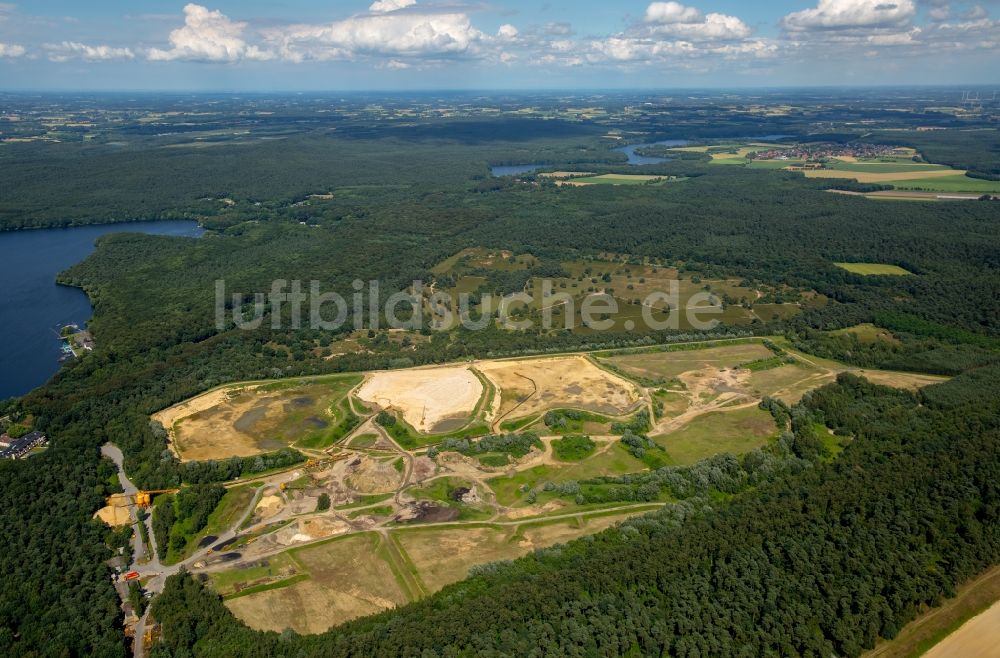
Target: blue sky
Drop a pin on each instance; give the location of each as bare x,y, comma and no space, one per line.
279,45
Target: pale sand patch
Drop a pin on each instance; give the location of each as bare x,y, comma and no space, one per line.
203,402
114,515
529,386
907,380
426,396
882,177
979,637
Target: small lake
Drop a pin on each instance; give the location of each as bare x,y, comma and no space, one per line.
634,159
33,308
514,170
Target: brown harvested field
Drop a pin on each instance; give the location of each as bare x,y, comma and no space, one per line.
346,580
427,397
531,386
882,177
444,556
531,537
980,636
977,602
249,419
669,365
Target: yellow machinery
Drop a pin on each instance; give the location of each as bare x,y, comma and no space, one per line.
145,498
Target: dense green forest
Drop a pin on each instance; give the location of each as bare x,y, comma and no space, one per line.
796,564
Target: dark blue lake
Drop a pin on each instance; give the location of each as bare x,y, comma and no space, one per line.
513,170
634,159
33,308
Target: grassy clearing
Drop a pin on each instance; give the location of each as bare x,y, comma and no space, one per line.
573,448
787,382
511,490
874,269
734,432
366,440
868,334
276,568
364,501
664,366
409,438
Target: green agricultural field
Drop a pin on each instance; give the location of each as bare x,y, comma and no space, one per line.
775,164
884,167
957,183
734,432
872,269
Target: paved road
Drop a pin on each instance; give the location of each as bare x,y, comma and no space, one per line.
113,453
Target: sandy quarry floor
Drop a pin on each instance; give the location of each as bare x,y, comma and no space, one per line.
533,385
425,397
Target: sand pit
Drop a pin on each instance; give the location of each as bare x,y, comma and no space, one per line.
532,386
268,506
369,476
114,515
426,397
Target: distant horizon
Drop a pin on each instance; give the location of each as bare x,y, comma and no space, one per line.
987,86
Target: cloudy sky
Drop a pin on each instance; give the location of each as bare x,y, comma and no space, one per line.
494,44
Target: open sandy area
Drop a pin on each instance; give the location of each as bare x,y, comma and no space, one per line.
531,386
425,397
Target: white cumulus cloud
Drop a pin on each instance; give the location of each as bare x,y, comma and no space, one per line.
417,33
674,34
672,19
380,6
67,50
208,36
671,12
11,50
851,14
